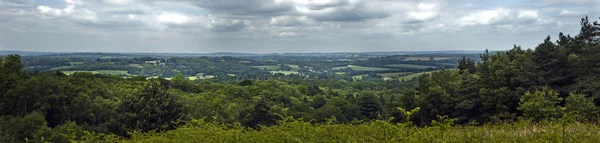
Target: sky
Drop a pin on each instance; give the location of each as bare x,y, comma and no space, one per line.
277,26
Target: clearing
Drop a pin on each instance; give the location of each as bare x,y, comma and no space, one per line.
394,74
410,66
361,68
267,67
103,72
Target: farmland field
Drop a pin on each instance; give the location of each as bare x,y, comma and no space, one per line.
284,72
359,77
75,63
361,68
104,72
267,67
59,68
425,58
411,66
295,67
393,74
136,65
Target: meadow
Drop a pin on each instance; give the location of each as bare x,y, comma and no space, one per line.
267,67
410,66
361,68
103,72
376,131
394,74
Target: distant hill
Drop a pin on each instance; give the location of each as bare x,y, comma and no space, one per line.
28,53
231,54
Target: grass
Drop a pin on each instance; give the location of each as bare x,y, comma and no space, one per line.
340,73
410,66
284,72
359,77
376,131
103,72
412,76
417,59
75,63
136,65
294,67
60,68
394,74
425,58
361,68
339,68
267,67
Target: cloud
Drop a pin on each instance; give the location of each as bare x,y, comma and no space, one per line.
170,18
485,17
291,21
226,25
119,2
245,7
353,10
269,24
572,13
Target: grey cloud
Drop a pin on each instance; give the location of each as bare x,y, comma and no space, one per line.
288,21
226,25
245,7
350,14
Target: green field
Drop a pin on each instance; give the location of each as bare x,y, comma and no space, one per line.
359,77
104,72
75,63
412,76
410,66
425,58
394,74
361,68
136,65
59,68
284,72
339,68
267,67
295,67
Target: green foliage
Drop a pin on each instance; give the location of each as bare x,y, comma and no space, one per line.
370,106
540,105
292,130
260,116
152,109
19,129
579,104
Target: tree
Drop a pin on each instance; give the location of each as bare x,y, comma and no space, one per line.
370,106
540,105
329,111
260,115
152,108
17,128
11,72
579,104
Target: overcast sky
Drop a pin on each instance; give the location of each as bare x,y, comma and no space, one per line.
265,26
